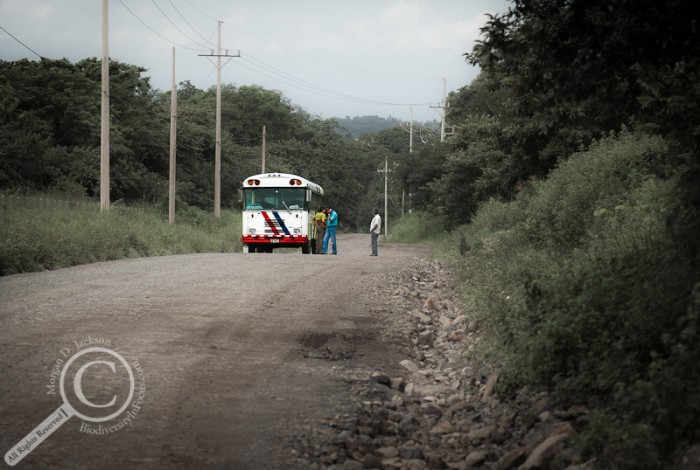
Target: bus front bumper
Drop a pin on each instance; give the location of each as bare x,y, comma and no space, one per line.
287,240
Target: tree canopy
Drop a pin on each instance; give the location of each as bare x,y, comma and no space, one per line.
50,124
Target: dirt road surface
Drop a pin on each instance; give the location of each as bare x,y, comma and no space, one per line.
229,355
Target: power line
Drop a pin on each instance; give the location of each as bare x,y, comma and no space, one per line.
196,57
282,46
153,30
301,82
176,26
208,77
387,74
29,48
293,85
310,88
203,13
208,41
305,85
281,76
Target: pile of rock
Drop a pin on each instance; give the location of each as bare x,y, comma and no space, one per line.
441,411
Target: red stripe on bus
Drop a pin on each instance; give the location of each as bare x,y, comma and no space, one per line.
269,222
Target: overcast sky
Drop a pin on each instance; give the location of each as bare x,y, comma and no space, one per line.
333,58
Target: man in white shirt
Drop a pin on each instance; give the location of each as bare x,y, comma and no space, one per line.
374,229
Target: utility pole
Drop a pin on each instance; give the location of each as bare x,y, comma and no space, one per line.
410,151
386,196
173,147
263,151
104,131
217,151
443,109
410,134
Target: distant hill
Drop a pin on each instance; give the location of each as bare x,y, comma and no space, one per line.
361,125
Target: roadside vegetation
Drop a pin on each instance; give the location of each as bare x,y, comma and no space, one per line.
41,231
583,285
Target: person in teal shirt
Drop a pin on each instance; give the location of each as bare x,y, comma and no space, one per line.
331,225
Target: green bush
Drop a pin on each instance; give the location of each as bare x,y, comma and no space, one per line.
563,206
46,232
416,227
588,286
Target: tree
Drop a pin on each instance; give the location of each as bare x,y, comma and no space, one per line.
44,104
360,126
595,65
49,137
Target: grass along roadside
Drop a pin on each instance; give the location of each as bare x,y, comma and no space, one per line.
41,232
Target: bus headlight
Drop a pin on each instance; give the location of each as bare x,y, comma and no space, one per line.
297,231
251,231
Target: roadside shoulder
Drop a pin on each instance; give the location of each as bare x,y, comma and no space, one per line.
440,408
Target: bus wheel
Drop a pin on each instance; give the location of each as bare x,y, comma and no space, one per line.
305,249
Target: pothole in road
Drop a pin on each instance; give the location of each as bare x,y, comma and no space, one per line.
329,346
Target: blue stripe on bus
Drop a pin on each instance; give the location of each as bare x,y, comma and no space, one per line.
279,219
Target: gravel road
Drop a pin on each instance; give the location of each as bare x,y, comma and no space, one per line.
193,361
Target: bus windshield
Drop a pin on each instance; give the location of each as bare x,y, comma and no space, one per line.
274,198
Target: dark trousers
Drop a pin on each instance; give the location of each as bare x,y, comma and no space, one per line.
321,233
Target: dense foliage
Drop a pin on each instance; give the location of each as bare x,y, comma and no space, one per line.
358,126
576,161
585,284
50,124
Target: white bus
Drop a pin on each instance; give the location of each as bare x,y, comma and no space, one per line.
278,209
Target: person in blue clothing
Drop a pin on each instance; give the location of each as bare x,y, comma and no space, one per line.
331,225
